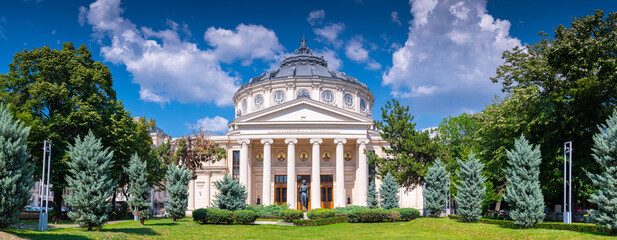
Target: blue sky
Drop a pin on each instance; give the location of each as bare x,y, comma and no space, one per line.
180,62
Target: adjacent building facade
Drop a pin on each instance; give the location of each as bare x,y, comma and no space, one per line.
302,121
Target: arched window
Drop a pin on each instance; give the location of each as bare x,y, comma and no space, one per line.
348,100
259,101
279,97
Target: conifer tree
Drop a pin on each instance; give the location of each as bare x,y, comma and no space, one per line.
231,196
371,198
15,173
89,182
388,192
523,190
178,180
139,190
605,154
471,190
435,195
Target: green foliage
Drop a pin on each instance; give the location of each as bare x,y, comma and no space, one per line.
245,216
213,216
177,186
289,215
410,152
472,189
371,196
523,191
231,196
389,193
435,194
319,222
63,94
320,213
367,215
605,154
139,190
347,209
407,214
15,172
578,227
270,210
90,182
574,75
393,215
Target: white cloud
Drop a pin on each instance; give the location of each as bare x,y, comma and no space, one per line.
395,19
316,16
168,68
331,57
452,50
355,51
331,33
215,124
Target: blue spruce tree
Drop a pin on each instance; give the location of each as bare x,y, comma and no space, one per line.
471,190
139,190
605,196
523,190
89,182
371,196
435,195
177,186
15,174
388,193
231,196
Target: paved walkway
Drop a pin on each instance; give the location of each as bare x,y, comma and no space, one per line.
280,222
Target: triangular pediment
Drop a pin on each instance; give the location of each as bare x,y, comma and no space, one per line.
304,110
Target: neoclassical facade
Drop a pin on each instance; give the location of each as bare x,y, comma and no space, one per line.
302,121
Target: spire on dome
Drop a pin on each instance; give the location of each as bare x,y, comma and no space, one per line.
303,48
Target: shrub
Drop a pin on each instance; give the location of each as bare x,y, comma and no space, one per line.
579,227
245,216
231,194
270,210
408,214
388,193
319,222
320,213
367,215
347,209
455,217
393,215
213,216
289,215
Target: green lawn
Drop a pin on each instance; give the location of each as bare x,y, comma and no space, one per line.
423,228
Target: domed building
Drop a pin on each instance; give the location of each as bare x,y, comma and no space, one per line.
300,122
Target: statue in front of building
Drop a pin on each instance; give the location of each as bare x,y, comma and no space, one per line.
304,195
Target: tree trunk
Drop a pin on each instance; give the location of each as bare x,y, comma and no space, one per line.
141,221
498,204
113,204
58,200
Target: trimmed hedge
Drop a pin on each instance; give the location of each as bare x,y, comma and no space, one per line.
347,209
393,215
320,213
245,216
270,210
319,222
213,216
367,215
289,215
578,227
408,214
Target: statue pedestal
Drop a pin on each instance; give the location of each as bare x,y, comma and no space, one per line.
305,217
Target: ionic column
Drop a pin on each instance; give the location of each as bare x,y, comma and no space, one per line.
291,173
315,175
362,173
244,163
339,200
267,171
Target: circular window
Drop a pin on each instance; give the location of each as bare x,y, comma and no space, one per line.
348,100
245,104
259,101
303,93
327,96
362,105
279,97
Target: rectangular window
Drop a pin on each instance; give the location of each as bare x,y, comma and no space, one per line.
236,164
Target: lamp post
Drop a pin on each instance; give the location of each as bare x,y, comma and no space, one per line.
567,182
44,189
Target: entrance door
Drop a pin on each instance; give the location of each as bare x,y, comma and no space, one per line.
308,182
280,189
326,191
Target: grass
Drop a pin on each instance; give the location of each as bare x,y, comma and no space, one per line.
423,228
269,219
